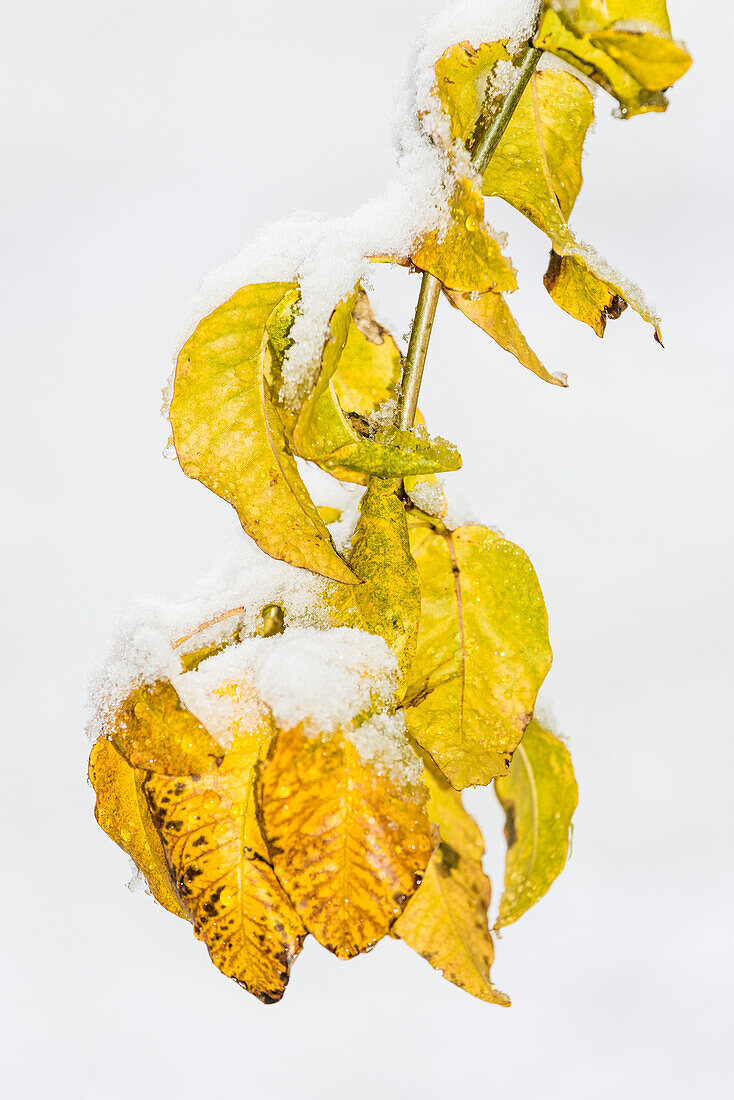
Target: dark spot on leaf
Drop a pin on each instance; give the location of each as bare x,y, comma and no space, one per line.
510,830
449,856
616,308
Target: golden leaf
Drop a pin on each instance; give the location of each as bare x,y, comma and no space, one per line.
466,257
122,811
229,435
492,314
446,919
539,797
326,434
626,46
348,844
388,600
220,865
482,651
154,731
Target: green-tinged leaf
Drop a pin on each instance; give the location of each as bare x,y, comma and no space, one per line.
388,600
539,796
537,169
348,842
346,445
492,314
122,811
154,731
482,651
446,919
229,435
626,46
465,257
391,452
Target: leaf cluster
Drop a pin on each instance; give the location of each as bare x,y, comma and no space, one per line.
267,831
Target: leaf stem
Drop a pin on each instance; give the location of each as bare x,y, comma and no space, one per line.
482,144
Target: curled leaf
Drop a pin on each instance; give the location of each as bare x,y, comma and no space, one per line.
229,435
539,797
370,365
349,845
122,811
537,169
446,919
578,292
482,650
345,443
625,46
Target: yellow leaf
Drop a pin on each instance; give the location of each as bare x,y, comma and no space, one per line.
482,651
537,169
329,515
370,365
577,291
463,75
154,731
326,434
349,844
446,919
466,257
388,600
537,166
220,865
539,796
122,811
624,45
492,314
229,435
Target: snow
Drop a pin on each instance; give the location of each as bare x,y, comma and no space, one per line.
144,645
383,745
321,678
328,256
629,290
428,495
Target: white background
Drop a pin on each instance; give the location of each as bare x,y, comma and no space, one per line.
143,145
